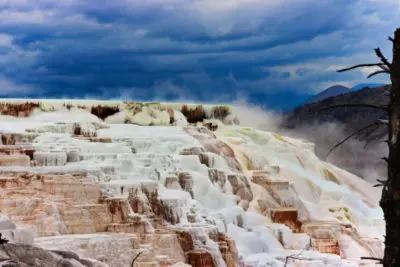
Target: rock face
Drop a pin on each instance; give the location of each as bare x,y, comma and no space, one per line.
23,255
87,183
18,251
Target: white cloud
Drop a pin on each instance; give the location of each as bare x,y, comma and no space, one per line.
47,18
6,40
27,17
189,37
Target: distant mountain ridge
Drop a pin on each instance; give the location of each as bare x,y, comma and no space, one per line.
364,85
328,127
338,89
329,92
311,113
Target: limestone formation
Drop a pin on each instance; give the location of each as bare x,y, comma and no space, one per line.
98,183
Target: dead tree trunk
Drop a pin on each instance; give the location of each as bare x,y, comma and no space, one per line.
390,201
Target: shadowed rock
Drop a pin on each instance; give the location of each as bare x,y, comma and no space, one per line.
194,115
103,112
18,110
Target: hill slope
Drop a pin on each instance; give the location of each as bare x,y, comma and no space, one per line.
328,127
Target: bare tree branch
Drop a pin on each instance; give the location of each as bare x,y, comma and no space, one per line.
382,58
385,68
378,72
294,256
134,259
390,38
371,138
382,183
3,241
352,135
362,66
378,185
382,107
372,258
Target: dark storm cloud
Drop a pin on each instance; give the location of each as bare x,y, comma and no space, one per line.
193,49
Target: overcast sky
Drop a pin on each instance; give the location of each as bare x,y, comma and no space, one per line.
267,51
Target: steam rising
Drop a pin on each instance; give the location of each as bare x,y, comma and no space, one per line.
352,155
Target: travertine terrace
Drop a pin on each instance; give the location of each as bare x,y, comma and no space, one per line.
180,184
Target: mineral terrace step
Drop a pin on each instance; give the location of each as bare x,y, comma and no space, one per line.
10,183
95,139
17,149
326,245
287,216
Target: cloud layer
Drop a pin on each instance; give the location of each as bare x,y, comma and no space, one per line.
271,52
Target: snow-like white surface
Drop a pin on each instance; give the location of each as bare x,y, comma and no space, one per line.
348,199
